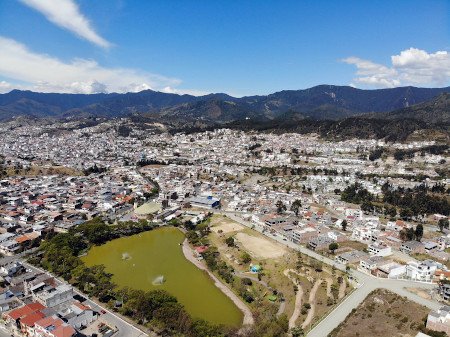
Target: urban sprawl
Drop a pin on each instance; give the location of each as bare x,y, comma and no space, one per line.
356,205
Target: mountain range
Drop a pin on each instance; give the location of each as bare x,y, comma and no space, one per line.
323,102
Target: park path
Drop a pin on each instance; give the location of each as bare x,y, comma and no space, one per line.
329,284
298,298
312,302
342,288
281,308
248,317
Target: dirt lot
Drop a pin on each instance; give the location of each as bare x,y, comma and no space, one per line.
383,314
260,248
225,225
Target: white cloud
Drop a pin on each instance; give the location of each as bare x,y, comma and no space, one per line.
66,14
44,73
192,92
5,87
411,67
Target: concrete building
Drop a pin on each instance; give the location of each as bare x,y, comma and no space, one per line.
421,271
439,320
379,249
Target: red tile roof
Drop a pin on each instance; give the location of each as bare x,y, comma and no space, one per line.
32,318
64,331
25,310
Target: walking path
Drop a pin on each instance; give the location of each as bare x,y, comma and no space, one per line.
248,317
329,284
342,289
281,308
298,298
366,283
312,302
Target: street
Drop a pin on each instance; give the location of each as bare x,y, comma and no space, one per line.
125,329
366,284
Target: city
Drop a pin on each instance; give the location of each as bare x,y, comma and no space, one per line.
224,168
280,186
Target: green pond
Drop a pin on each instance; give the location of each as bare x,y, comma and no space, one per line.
138,262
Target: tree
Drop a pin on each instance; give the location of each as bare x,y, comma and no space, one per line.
229,241
391,211
443,223
316,265
246,258
295,207
411,234
418,232
344,225
367,206
333,246
406,213
297,332
402,235
281,207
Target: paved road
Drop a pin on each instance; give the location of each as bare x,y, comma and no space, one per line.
366,284
125,329
4,332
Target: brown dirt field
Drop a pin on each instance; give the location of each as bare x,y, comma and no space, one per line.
43,171
383,314
353,244
226,225
260,248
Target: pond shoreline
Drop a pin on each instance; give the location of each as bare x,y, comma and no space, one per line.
189,255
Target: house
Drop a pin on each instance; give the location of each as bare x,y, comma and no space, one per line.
12,269
336,236
351,257
439,320
303,235
379,249
320,243
430,246
422,271
13,318
370,264
53,326
78,315
444,290
412,247
9,247
390,269
51,296
275,220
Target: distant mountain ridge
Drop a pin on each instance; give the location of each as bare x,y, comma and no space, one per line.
319,102
435,111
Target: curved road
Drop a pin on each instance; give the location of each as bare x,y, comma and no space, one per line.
366,284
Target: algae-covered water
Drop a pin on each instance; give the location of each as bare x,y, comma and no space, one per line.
155,260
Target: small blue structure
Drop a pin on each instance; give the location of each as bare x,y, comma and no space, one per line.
256,268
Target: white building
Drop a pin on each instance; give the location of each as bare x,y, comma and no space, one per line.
379,249
421,271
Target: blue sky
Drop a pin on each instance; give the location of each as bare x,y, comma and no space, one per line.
238,47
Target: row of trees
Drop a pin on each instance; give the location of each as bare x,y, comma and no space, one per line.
408,234
420,200
417,201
